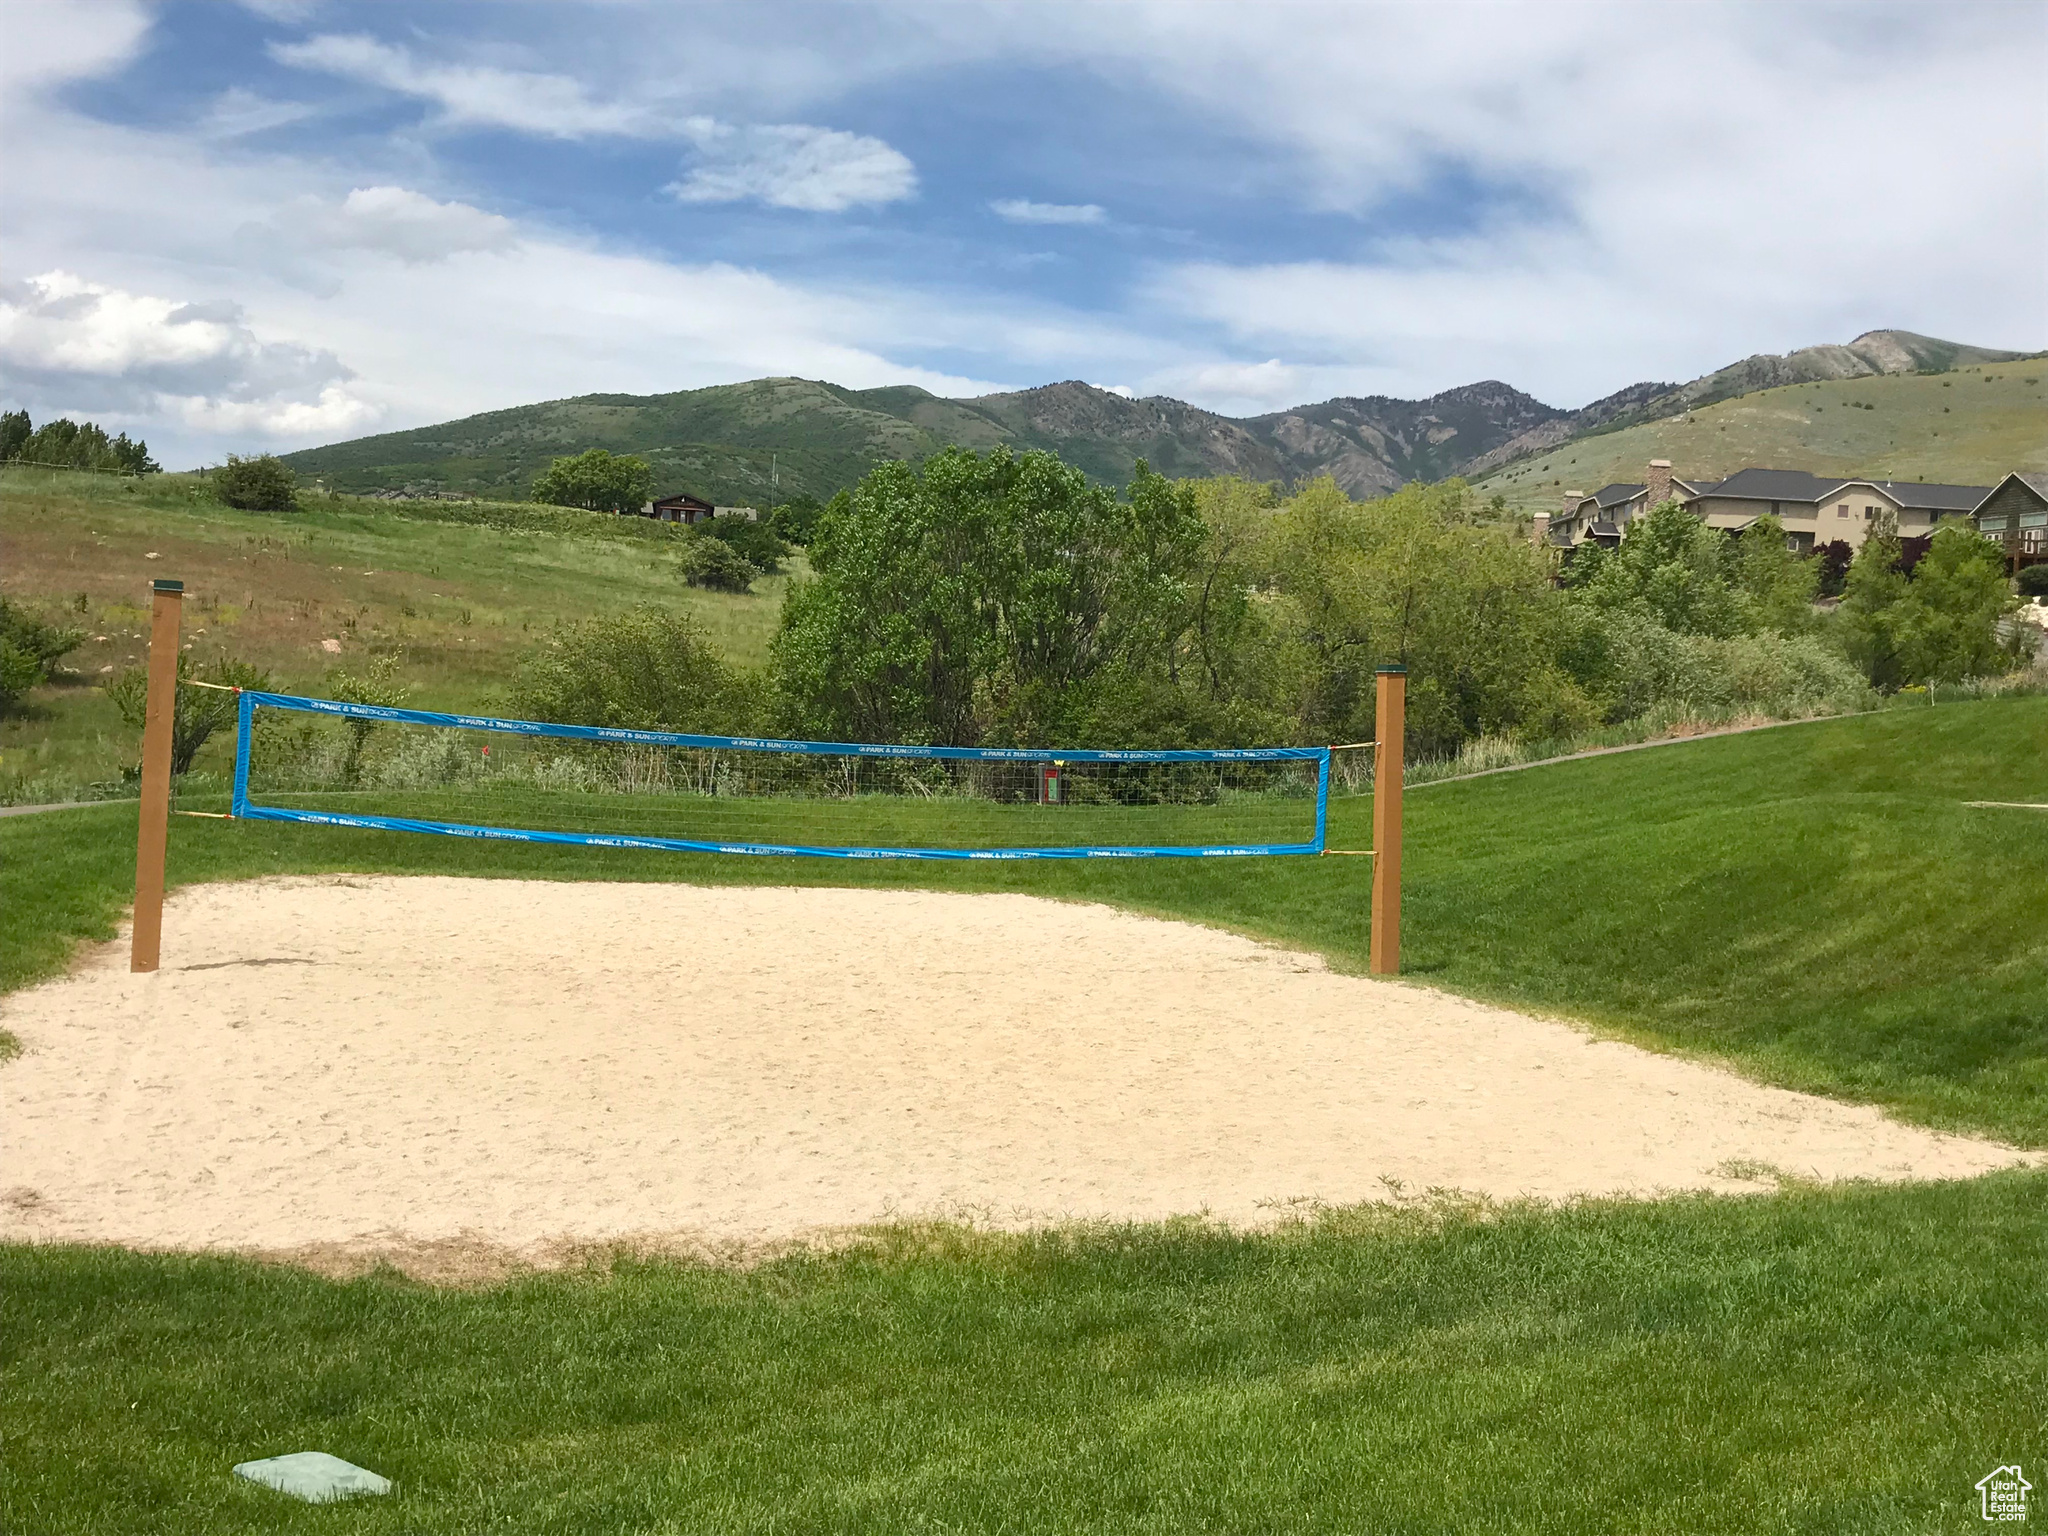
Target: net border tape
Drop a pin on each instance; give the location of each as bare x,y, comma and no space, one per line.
246,810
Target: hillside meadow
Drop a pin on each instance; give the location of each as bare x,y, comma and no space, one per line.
458,590
1972,426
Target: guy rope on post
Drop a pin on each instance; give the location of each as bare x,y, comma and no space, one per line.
154,825
1386,822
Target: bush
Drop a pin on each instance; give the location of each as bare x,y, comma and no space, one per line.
2033,581
647,670
797,519
262,484
200,711
27,648
714,563
757,541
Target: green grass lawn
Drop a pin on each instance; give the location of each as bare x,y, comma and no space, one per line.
1850,1361
1812,904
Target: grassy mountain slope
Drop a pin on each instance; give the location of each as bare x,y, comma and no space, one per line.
764,440
1969,427
1872,354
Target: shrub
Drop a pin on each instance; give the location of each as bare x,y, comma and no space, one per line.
200,711
262,484
714,563
27,648
2033,581
757,541
647,670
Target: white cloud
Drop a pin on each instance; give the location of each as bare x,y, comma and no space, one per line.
1017,210
396,222
237,112
479,95
1116,389
792,165
50,43
70,344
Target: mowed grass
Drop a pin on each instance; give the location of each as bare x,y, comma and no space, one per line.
1971,426
1848,1361
1813,904
457,603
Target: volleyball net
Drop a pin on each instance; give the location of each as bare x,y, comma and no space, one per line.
330,763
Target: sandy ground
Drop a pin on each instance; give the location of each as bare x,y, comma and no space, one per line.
349,1066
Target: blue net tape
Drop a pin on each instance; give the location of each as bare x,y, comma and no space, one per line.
245,809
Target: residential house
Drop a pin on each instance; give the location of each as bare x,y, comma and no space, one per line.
2015,516
1815,510
1818,510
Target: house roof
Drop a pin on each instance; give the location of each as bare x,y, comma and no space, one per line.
2037,484
682,499
1614,495
1798,485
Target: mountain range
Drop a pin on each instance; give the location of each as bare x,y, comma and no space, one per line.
763,441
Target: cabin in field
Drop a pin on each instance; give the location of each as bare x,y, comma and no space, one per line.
689,509
678,509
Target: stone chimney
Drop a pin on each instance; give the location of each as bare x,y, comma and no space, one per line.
1658,483
1572,500
1542,532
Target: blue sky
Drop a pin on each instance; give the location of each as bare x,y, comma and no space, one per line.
237,227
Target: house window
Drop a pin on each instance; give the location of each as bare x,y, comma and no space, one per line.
1842,510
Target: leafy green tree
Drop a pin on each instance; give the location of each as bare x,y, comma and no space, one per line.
983,597
797,518
1778,582
646,670
1956,616
200,712
73,445
1873,612
598,481
1467,607
28,648
264,483
1675,568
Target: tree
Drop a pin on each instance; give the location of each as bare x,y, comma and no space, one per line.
1955,610
983,597
598,481
69,444
755,540
1778,582
261,484
199,712
1674,567
377,684
28,647
796,518
1873,606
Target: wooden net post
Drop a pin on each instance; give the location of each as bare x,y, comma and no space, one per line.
152,829
1386,822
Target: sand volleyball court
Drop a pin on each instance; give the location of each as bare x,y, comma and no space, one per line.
355,1065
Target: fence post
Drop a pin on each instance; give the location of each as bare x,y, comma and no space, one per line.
1386,822
153,825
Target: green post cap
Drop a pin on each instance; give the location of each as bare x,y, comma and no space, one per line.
161,585
1384,671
